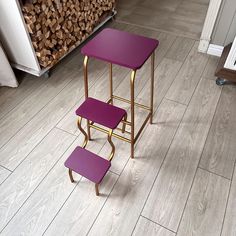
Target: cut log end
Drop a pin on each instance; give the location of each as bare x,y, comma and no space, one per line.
58,26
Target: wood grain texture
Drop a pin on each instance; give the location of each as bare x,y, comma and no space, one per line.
180,49
147,227
165,74
42,206
205,208
219,151
10,98
183,18
229,226
210,69
77,221
170,191
122,209
25,111
34,131
4,173
188,77
25,179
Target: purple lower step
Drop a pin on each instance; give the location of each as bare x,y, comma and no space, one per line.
88,164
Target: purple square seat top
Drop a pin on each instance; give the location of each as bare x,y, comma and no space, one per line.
88,164
101,113
121,48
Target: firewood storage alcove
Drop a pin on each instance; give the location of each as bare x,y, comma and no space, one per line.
38,33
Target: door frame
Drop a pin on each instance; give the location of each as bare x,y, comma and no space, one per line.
230,62
208,27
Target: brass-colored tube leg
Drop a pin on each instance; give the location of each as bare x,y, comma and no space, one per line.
112,145
152,85
96,190
132,80
71,176
124,124
88,130
111,85
86,137
86,58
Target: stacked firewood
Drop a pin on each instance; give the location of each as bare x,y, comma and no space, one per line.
57,26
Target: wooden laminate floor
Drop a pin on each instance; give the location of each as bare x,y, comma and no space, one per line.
182,181
180,17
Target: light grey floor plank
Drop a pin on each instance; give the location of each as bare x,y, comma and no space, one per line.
176,17
229,226
25,179
188,77
147,227
42,206
11,97
87,208
165,74
4,173
24,112
180,49
163,48
210,69
35,130
205,208
170,191
122,209
219,151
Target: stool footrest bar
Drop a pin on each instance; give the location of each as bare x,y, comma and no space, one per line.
142,127
113,134
129,102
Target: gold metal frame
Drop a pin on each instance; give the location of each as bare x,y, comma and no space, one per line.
86,58
86,139
133,137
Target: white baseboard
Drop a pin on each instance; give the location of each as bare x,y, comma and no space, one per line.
215,50
203,45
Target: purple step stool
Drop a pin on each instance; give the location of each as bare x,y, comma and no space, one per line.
124,49
87,164
101,113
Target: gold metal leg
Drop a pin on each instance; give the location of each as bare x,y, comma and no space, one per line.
96,190
124,124
111,85
132,80
71,176
88,130
152,85
79,122
112,144
86,58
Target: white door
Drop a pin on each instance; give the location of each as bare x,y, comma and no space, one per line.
209,24
231,59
